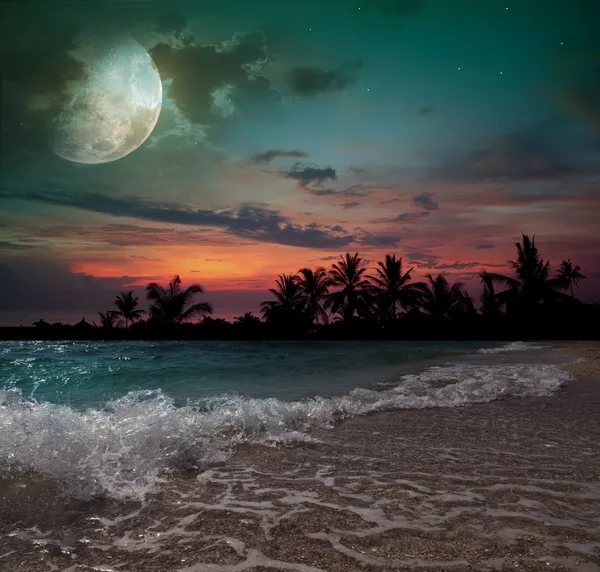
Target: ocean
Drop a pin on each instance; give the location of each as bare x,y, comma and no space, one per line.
123,436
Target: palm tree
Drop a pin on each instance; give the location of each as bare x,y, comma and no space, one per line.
443,300
127,307
248,319
288,297
570,274
489,299
531,284
391,287
315,288
109,319
172,305
353,294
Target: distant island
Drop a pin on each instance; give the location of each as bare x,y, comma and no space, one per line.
345,302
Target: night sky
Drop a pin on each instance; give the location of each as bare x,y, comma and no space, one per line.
295,130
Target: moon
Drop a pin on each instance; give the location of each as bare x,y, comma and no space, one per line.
113,110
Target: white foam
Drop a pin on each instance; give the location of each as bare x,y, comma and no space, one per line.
124,448
512,347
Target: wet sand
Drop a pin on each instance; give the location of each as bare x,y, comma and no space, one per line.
508,485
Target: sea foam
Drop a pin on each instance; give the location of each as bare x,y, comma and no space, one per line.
126,448
513,347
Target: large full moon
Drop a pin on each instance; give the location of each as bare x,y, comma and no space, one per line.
114,109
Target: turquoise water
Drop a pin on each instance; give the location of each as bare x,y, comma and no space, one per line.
115,418
87,374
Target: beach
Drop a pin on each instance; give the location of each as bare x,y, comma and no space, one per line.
513,484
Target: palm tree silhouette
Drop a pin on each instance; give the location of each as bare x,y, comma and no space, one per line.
288,297
353,294
489,300
127,307
443,300
532,284
570,274
109,319
172,305
391,287
248,319
314,286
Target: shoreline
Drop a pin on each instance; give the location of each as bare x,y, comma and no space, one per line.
512,484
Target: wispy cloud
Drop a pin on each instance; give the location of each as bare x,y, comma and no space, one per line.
426,201
248,221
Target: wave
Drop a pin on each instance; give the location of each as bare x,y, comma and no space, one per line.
128,447
512,347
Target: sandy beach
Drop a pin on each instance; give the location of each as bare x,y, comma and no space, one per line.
508,485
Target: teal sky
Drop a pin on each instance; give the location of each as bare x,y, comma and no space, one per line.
292,131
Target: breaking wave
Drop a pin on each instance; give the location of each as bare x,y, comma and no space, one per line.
126,448
512,347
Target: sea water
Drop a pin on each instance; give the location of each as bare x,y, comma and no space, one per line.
115,418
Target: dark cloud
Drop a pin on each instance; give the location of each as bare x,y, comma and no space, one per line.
45,285
427,110
350,204
247,221
512,157
457,265
426,201
205,77
484,246
307,175
405,217
353,191
268,156
356,191
379,240
311,81
4,245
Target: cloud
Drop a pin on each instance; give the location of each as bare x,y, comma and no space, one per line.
247,221
484,246
511,157
426,201
353,191
209,82
350,204
457,265
12,246
268,156
379,240
45,285
427,110
404,217
306,175
312,81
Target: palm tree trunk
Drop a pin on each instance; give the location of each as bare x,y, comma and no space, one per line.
572,290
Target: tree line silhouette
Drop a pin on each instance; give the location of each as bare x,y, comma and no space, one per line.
348,302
